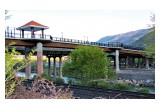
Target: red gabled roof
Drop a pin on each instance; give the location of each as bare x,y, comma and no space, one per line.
33,23
37,26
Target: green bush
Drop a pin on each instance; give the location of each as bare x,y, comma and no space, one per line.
111,73
121,86
58,80
71,81
104,84
13,65
46,76
92,83
143,90
83,66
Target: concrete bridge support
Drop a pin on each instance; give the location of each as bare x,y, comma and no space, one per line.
139,63
126,64
147,63
28,67
54,63
117,60
39,58
60,66
49,65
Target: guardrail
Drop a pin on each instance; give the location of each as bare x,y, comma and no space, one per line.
66,40
108,44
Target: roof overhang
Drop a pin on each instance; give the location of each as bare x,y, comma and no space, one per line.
28,28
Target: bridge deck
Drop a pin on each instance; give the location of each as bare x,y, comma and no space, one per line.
55,42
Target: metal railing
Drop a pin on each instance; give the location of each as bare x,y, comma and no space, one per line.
109,44
74,41
18,35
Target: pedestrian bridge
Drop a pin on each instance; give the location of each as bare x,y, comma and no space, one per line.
58,46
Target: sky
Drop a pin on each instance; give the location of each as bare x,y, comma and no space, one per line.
83,24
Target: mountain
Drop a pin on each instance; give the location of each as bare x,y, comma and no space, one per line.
146,40
126,38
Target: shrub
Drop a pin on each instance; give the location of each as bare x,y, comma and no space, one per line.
59,80
71,82
111,73
92,83
121,86
143,90
13,65
87,63
104,85
41,89
46,76
80,83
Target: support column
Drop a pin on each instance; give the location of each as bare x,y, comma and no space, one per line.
138,62
134,65
55,74
60,66
126,62
28,67
22,33
49,65
39,58
32,32
147,63
114,59
117,60
42,33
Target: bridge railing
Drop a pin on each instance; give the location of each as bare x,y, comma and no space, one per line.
18,35
109,44
66,40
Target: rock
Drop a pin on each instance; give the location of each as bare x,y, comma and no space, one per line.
119,78
120,81
134,81
148,81
137,85
128,81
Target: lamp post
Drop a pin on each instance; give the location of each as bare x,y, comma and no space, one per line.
62,35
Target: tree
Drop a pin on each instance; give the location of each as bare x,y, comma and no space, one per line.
11,80
149,41
149,44
87,63
7,16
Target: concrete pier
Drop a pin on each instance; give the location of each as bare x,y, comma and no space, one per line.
117,60
39,58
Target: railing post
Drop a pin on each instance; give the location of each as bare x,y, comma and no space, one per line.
14,32
5,33
11,33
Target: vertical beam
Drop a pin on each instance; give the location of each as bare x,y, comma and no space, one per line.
55,74
114,65
42,33
138,62
127,62
14,32
49,65
39,58
117,60
22,33
147,63
11,33
60,66
133,62
8,30
32,32
28,67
